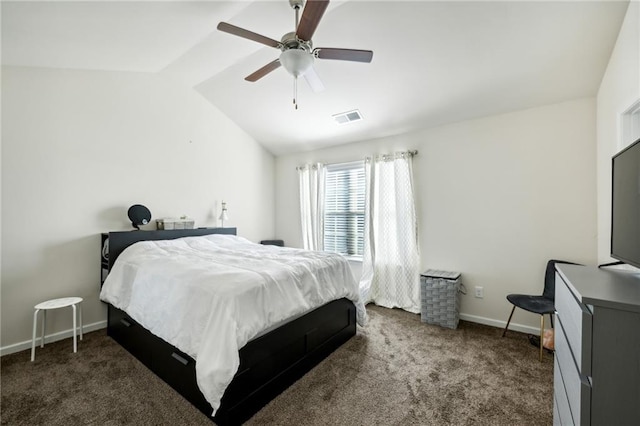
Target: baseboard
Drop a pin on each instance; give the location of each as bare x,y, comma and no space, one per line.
17,347
500,324
50,338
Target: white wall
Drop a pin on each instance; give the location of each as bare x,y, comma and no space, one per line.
620,88
496,198
79,148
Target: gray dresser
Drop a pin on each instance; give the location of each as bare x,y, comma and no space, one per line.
597,341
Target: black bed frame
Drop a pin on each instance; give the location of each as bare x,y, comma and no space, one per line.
268,364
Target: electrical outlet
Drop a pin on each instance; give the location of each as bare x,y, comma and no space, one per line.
479,292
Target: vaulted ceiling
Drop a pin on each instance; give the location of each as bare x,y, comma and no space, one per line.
433,63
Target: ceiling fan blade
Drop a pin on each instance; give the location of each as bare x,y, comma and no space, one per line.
344,54
263,71
313,80
241,32
311,15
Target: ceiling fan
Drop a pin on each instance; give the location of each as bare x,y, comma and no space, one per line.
298,54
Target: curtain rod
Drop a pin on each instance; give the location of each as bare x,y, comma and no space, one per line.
308,166
411,152
397,154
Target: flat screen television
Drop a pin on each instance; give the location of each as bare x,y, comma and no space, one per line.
625,205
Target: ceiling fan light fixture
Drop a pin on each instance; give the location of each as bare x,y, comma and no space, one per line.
296,61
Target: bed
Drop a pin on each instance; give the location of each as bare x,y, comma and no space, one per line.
266,365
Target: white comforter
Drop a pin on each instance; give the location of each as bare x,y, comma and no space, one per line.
208,296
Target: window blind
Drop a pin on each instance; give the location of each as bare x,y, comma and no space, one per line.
344,208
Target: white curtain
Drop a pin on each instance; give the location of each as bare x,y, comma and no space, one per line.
311,178
391,261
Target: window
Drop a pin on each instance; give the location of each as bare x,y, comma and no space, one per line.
630,125
344,208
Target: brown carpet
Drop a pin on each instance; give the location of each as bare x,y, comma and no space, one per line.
396,371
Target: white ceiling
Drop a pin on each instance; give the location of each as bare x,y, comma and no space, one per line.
433,62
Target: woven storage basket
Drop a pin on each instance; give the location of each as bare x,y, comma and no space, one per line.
169,223
440,297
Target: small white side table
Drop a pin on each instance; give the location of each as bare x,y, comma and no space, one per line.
55,304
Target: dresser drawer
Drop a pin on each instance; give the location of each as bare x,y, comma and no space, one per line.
577,321
576,386
561,411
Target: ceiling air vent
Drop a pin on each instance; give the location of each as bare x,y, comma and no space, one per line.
347,117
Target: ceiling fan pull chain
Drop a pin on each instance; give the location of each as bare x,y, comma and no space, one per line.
295,92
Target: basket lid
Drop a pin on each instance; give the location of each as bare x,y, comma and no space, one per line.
447,275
